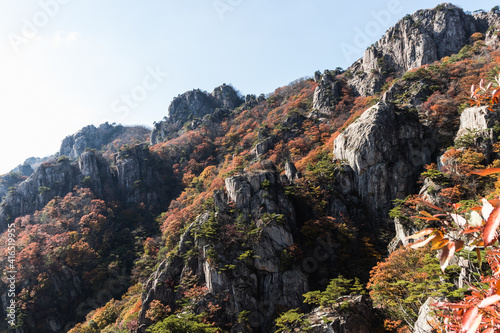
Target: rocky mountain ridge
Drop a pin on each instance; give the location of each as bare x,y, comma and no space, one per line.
418,39
194,104
258,240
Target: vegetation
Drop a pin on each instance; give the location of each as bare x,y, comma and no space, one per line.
93,239
337,288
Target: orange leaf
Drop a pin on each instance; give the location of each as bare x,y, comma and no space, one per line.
497,93
494,202
422,233
488,301
486,172
423,212
490,229
469,317
440,244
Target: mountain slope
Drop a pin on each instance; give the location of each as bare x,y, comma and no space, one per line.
237,207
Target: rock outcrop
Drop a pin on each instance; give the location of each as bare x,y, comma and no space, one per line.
357,316
259,279
31,164
95,173
478,120
48,181
143,178
386,149
88,137
476,128
194,104
418,39
327,94
427,321
137,177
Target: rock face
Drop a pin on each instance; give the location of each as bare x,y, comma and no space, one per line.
418,39
291,171
327,94
476,128
88,137
31,164
478,120
66,287
427,321
137,178
385,149
259,282
95,173
258,193
262,147
33,194
192,105
141,177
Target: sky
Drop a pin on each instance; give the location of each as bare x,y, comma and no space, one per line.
65,64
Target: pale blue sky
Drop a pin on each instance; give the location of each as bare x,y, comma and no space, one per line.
69,63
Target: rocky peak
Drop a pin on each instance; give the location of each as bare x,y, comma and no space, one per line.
88,137
226,97
418,39
194,104
327,94
191,104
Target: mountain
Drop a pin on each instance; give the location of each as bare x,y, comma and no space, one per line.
265,213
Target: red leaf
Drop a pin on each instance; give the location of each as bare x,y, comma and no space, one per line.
469,317
449,305
471,230
488,301
490,228
447,254
486,172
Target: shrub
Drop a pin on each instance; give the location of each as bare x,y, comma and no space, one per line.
402,283
290,321
183,323
63,159
337,288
